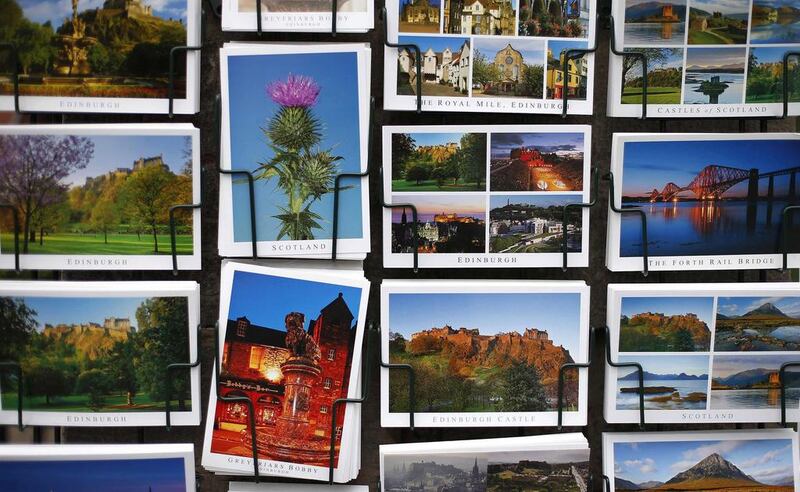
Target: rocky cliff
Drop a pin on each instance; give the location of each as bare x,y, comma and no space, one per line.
90,339
659,324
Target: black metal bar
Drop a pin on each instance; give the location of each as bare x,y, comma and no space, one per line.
414,47
173,233
334,15
216,8
337,182
171,88
14,71
595,174
619,365
785,229
607,483
175,367
57,435
562,372
633,54
15,218
8,366
412,394
782,374
251,412
786,57
572,54
629,210
365,380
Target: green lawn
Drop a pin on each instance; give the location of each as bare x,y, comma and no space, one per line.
655,95
118,244
77,403
430,185
716,36
771,98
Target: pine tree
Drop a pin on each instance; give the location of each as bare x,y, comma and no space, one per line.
521,389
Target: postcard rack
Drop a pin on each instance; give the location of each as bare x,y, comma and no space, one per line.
415,48
579,206
612,198
619,365
573,54
171,370
562,372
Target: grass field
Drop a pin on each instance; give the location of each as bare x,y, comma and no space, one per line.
430,185
87,244
655,95
77,403
716,36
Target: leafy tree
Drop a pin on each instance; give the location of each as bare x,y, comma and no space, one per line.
120,364
105,61
11,13
472,158
418,173
533,80
439,174
452,167
521,389
484,72
683,341
147,194
105,214
17,324
34,47
655,56
403,149
49,375
96,384
50,218
31,167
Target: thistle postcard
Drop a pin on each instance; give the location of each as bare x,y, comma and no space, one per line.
94,354
763,460
295,117
97,197
712,201
94,467
705,58
486,196
474,367
298,15
498,56
110,56
710,353
293,354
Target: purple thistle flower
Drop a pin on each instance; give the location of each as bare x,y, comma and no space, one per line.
297,91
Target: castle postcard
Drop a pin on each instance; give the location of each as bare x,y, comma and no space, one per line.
484,353
764,460
98,197
712,201
309,125
486,196
499,56
710,353
95,354
96,467
292,353
299,15
103,56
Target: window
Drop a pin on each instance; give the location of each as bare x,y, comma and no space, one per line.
255,357
323,409
241,327
338,433
331,354
327,383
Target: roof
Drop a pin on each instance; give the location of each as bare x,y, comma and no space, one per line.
258,334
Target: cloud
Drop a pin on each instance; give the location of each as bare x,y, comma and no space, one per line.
767,457
693,456
646,465
777,475
556,148
507,139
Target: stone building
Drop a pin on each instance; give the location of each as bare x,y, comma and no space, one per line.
496,17
509,63
439,67
420,12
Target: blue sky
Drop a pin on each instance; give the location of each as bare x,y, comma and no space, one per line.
503,143
69,310
767,460
741,305
57,10
134,475
557,46
266,299
535,200
770,55
422,139
436,43
651,165
250,111
532,49
674,59
693,365
703,307
559,314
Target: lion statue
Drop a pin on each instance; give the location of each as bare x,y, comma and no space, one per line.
300,343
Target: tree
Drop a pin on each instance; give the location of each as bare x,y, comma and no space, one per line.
533,81
418,173
655,56
31,168
120,365
484,72
403,148
49,375
683,341
105,214
50,217
472,158
17,324
147,194
96,384
452,167
33,43
521,389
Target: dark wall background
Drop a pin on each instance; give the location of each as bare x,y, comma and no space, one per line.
372,434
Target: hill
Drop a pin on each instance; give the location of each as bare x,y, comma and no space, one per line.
90,339
712,466
649,376
766,310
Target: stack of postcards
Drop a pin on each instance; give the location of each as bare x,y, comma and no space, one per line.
291,487
546,462
294,116
290,342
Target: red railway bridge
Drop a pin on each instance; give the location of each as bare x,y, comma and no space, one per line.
714,180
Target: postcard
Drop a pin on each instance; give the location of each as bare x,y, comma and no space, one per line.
293,353
484,353
756,460
522,463
504,56
710,353
125,467
97,197
705,58
102,57
94,354
291,487
309,125
298,15
486,196
712,201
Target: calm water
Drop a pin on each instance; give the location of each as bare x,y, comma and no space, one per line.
702,228
630,401
732,95
753,398
787,333
667,34
776,33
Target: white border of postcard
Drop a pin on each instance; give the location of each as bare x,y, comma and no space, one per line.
616,292
189,290
485,419
237,465
129,105
522,105
291,487
617,263
355,22
91,262
477,260
349,249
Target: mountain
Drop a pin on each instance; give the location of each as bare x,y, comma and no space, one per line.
651,484
622,484
643,11
751,377
649,376
766,310
713,467
730,68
